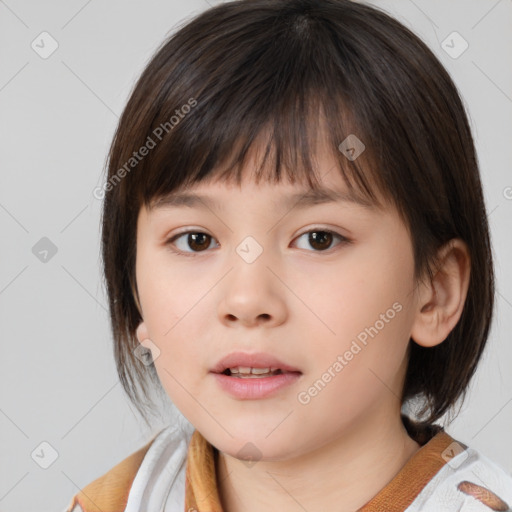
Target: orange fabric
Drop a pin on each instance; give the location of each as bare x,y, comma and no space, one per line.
398,494
201,493
482,494
109,493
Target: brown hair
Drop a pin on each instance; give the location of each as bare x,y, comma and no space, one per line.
282,68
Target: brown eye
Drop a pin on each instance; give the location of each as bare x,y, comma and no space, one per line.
198,241
194,240
321,239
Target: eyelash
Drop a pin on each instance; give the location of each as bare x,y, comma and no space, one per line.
343,240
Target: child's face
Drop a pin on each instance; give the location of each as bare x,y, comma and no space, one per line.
342,315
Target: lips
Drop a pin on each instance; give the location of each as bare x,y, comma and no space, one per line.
278,377
255,360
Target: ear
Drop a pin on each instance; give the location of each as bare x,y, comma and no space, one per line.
142,335
440,302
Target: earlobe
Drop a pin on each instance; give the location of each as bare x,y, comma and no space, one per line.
145,341
441,302
142,335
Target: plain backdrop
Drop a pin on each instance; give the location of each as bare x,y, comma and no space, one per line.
61,403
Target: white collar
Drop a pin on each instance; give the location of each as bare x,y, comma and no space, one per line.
160,480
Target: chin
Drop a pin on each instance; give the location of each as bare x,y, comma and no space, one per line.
250,449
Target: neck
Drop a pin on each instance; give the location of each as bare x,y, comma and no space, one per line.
349,471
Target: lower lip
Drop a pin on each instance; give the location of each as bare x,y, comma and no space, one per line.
255,388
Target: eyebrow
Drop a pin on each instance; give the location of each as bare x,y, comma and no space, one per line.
300,200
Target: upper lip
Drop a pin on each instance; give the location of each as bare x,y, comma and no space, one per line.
254,360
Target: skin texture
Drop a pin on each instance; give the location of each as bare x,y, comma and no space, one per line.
305,306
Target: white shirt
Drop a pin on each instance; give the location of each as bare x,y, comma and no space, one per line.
159,484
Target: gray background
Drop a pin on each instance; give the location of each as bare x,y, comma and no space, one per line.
58,114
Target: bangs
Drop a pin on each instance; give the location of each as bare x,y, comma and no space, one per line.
282,143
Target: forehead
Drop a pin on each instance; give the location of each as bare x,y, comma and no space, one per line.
214,196
215,191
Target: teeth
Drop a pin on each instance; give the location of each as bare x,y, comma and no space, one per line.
245,370
260,371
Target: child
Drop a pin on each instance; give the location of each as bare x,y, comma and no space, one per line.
293,359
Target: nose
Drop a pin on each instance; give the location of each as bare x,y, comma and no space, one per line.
252,295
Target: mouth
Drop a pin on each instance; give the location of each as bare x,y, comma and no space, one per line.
254,376
245,365
243,372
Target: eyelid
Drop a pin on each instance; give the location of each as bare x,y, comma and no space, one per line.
170,240
325,229
343,239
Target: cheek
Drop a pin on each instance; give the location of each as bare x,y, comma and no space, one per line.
180,362
162,306
170,291
352,296
366,316
178,313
